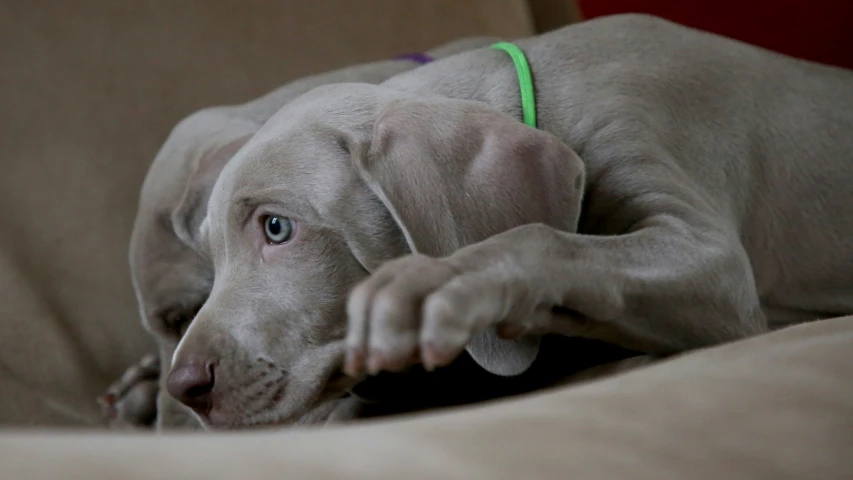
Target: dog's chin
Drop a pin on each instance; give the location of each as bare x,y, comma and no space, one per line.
328,412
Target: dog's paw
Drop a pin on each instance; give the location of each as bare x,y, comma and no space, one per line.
419,308
131,401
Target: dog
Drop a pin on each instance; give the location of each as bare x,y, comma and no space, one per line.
682,190
171,277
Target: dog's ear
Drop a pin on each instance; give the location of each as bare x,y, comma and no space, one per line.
191,210
453,173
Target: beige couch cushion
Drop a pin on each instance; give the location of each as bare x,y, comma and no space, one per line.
775,407
89,89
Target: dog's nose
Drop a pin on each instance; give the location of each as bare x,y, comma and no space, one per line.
192,384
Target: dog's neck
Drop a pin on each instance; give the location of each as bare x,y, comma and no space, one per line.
490,76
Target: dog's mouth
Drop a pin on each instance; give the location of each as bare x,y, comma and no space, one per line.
330,401
329,411
343,399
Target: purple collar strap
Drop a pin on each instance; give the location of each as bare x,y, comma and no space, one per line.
417,57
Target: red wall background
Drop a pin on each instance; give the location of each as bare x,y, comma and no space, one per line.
817,30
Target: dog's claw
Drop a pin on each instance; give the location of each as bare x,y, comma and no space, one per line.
374,365
354,363
433,358
131,400
510,332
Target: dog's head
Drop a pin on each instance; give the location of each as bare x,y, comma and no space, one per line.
172,274
337,182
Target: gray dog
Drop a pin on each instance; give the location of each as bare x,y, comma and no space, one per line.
682,190
171,274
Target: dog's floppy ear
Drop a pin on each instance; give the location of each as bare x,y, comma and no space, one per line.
204,170
455,172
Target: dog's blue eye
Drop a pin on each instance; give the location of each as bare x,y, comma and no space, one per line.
278,230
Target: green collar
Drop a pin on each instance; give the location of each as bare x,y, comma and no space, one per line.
525,81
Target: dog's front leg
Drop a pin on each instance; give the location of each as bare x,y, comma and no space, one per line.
664,287
661,289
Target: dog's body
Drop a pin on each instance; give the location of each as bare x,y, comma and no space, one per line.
748,152
171,273
682,190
